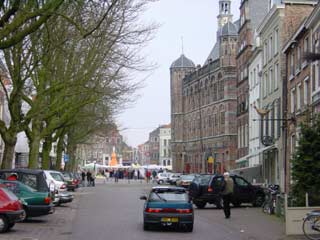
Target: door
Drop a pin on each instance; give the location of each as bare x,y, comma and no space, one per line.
242,190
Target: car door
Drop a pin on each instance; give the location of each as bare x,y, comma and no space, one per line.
242,190
216,185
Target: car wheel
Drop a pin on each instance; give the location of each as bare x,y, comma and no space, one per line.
199,204
189,227
4,223
11,225
160,181
23,215
219,203
258,201
236,204
145,227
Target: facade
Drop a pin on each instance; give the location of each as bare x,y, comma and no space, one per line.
165,146
154,146
302,82
203,104
144,154
99,149
276,28
251,13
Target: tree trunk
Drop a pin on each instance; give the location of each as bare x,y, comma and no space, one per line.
34,145
8,154
71,153
47,145
59,154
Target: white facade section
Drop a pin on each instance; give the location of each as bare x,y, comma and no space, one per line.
255,74
165,149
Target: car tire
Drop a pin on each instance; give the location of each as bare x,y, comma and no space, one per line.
11,225
189,227
259,200
219,203
145,226
160,181
200,204
236,204
4,224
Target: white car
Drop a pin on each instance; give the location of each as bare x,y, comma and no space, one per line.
56,178
163,177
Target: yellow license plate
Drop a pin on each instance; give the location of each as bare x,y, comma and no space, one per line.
172,220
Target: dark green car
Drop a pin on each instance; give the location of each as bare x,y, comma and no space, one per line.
35,203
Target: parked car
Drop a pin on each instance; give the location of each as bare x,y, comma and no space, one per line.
70,180
207,188
185,180
34,203
60,186
162,177
173,178
11,210
168,206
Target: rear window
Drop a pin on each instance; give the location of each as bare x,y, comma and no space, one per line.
57,177
205,179
187,177
10,194
168,196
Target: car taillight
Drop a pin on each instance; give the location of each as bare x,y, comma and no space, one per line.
47,200
63,186
153,210
210,189
184,210
168,210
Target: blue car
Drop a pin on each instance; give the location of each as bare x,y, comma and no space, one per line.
169,207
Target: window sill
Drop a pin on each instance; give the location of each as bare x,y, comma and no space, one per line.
291,77
304,64
298,70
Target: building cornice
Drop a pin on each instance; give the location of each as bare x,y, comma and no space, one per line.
271,14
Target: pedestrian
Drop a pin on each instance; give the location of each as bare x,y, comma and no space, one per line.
135,174
107,175
83,178
148,175
154,175
227,191
88,178
93,178
116,175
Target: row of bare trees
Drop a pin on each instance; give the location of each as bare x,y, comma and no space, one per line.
70,65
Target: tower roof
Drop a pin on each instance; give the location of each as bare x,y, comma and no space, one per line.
182,62
229,29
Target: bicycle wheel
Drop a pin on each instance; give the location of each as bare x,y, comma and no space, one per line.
311,227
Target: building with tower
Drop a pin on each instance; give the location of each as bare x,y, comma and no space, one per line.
204,104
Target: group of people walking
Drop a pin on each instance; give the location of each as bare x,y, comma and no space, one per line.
90,176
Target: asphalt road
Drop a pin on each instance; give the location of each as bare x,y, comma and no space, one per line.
114,211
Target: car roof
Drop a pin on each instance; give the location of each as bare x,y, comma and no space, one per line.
23,170
167,187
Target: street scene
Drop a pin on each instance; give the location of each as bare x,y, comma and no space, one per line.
158,119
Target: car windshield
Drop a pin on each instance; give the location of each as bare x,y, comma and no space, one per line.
205,179
187,177
67,176
57,177
171,195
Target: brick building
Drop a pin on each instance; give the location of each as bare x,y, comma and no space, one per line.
203,104
276,28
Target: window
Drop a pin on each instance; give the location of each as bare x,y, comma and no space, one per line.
240,182
270,48
254,76
276,76
265,84
293,144
271,81
306,45
276,40
272,123
165,142
299,58
306,91
265,51
299,96
278,117
292,100
291,64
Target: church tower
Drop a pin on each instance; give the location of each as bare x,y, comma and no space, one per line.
224,13
178,70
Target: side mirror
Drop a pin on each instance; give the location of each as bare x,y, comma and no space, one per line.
143,198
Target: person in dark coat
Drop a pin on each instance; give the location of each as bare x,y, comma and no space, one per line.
89,177
227,191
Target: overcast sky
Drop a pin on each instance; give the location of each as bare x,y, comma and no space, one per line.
196,22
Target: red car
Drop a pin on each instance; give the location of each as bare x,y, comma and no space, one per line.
11,210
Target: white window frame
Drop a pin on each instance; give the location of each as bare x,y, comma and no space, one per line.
298,97
271,79
292,100
306,94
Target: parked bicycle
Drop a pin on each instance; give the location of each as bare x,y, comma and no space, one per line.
269,204
311,225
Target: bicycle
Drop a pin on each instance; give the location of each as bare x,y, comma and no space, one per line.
269,204
311,225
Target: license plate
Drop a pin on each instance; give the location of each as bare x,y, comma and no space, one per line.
171,220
